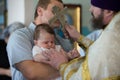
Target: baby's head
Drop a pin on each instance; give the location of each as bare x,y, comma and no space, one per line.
44,36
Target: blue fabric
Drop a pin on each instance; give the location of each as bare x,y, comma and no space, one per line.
93,36
59,32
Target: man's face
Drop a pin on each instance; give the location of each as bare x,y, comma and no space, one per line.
97,18
48,14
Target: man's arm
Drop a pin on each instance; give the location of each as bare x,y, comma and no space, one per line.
36,71
4,71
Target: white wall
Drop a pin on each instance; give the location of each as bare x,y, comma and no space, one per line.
29,10
16,11
20,10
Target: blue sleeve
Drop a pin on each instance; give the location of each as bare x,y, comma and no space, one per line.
19,48
94,35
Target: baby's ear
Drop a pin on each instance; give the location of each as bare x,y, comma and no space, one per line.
35,42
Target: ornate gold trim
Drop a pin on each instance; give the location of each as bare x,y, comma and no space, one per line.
71,73
113,78
62,70
85,70
84,42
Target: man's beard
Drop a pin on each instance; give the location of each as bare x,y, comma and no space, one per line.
97,23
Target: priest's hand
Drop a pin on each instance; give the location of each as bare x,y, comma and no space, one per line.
71,32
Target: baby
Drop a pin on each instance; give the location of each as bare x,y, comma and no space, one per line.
44,39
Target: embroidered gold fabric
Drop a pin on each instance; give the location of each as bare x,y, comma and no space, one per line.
85,70
84,42
64,67
113,78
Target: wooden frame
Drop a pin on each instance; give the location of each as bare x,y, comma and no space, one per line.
74,11
74,14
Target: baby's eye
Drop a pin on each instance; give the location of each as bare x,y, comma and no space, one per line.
51,41
45,42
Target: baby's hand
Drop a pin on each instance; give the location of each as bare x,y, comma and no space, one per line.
73,54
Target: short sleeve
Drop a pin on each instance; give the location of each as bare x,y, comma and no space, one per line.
19,47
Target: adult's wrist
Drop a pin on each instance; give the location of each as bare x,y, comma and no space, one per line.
79,39
8,73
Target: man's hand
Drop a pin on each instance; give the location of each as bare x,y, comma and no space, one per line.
55,58
73,54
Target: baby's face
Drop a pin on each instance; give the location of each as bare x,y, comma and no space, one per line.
46,40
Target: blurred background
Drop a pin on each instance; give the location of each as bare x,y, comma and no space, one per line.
23,11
